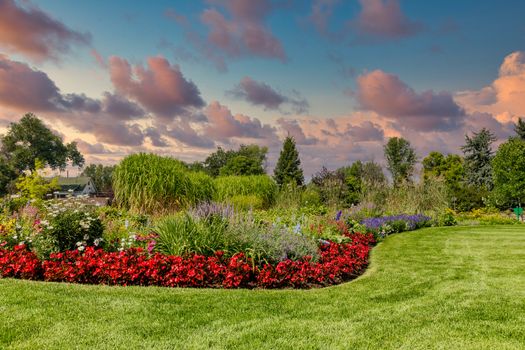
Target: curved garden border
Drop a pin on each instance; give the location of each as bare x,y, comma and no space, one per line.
338,262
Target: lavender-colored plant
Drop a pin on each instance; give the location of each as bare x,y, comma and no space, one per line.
412,222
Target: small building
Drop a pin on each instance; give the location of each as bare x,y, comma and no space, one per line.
76,186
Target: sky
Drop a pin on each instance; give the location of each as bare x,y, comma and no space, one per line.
181,78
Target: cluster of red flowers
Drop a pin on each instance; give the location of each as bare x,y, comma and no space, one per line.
337,263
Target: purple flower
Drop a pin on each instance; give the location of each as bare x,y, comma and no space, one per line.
338,215
412,221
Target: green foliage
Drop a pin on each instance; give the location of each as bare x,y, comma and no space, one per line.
120,227
72,223
448,218
331,187
30,139
33,186
246,202
148,183
182,235
462,196
478,157
101,175
401,159
247,160
261,186
509,172
7,175
428,197
185,234
519,128
288,168
487,216
242,165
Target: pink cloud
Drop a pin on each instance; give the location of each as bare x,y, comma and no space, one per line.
383,19
245,33
29,31
23,88
388,96
261,94
505,96
223,125
160,87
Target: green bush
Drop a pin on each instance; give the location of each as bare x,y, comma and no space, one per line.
148,183
261,186
66,225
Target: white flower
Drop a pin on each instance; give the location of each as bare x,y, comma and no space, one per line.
79,244
86,237
81,248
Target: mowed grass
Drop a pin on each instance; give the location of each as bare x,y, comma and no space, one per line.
437,288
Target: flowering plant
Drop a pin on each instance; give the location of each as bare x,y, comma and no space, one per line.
385,225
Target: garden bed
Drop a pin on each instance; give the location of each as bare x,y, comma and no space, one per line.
337,263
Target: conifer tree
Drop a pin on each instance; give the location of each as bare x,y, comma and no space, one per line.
288,168
478,156
519,128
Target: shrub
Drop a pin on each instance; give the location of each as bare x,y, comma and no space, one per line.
67,225
148,183
261,186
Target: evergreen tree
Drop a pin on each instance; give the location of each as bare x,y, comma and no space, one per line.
478,157
288,168
519,128
401,159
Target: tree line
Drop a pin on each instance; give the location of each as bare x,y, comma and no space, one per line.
476,178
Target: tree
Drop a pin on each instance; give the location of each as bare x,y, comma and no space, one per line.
242,165
220,158
450,168
509,172
519,128
331,186
401,159
478,156
30,139
7,175
101,175
372,175
288,168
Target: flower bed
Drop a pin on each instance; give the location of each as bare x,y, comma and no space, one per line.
338,262
385,225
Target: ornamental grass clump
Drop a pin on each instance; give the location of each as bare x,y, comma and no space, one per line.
260,186
148,183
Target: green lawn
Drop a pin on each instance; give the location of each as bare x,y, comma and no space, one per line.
438,288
